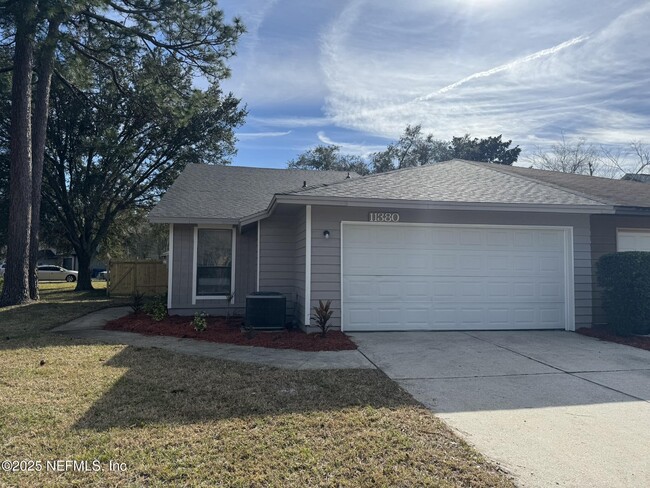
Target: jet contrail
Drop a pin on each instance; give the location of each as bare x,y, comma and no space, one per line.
504,67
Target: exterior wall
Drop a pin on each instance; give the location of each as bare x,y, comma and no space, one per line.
326,253
300,258
279,248
183,272
603,241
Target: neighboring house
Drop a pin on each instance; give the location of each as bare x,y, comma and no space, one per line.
640,177
449,246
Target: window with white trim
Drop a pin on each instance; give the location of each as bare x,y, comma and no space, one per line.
213,262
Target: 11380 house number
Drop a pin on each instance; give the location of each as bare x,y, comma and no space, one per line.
383,217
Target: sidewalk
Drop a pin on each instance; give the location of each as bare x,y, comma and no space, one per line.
90,327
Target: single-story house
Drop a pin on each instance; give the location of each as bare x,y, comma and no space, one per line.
457,245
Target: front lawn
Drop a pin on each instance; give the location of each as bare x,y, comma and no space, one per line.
59,304
188,421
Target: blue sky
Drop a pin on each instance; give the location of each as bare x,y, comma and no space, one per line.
356,72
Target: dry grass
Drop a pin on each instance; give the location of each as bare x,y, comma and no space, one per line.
185,421
59,304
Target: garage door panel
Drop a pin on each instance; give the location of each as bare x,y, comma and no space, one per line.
401,277
449,289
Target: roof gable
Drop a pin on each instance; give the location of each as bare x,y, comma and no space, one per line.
452,181
205,192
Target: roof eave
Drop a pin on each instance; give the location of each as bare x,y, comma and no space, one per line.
622,210
439,205
154,219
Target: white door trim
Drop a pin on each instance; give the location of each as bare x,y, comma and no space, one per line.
170,266
259,237
568,256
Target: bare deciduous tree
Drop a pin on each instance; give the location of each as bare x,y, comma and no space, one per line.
635,159
568,156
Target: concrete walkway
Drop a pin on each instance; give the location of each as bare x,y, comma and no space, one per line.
554,408
90,326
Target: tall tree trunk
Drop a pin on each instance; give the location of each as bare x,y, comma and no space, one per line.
16,286
39,134
84,282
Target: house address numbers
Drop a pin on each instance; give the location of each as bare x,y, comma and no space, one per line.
383,217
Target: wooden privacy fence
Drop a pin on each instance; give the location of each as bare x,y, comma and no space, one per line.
128,277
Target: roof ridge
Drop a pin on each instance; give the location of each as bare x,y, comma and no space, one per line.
555,186
231,166
372,175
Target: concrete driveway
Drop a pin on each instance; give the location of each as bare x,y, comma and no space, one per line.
553,408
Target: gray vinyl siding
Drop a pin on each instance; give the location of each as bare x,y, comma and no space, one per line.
326,253
603,241
183,273
301,243
278,257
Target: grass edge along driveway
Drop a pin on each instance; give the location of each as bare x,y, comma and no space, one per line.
180,420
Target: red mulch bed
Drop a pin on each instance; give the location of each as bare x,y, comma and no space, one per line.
231,333
642,342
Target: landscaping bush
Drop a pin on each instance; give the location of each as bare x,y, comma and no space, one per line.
157,309
199,322
137,302
625,279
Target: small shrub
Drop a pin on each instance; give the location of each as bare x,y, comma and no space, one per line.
137,302
199,322
625,279
322,316
157,309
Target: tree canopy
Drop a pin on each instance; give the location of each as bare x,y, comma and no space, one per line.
85,46
329,158
413,148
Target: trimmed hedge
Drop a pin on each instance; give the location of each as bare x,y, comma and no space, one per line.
625,279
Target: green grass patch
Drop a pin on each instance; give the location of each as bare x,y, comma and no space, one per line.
59,304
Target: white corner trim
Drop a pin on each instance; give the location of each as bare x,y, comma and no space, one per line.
170,266
569,273
195,245
232,267
259,238
307,264
341,265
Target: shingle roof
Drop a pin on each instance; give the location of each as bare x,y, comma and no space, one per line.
621,193
642,177
230,193
453,181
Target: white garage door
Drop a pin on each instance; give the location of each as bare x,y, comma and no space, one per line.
447,277
633,240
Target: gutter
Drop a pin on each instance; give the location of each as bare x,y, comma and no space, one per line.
394,204
641,211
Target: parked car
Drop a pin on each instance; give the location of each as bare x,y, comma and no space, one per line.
47,272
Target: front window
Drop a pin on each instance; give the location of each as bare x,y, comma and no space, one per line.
213,262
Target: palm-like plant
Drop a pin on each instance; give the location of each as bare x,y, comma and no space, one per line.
322,316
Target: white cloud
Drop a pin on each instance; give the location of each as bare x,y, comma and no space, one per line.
257,135
450,68
362,150
504,67
291,121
